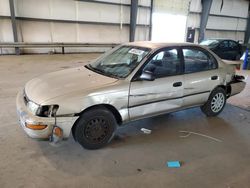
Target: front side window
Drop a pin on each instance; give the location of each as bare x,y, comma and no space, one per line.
233,45
195,60
164,63
121,62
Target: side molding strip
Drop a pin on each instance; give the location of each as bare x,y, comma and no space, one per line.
167,99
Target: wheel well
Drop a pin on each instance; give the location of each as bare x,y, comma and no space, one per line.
227,88
111,108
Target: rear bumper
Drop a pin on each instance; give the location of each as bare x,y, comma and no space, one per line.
25,116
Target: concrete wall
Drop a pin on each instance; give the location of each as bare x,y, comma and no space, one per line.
227,20
73,21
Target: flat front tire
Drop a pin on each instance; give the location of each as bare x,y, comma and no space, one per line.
216,102
95,128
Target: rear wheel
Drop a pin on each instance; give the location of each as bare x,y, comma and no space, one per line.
215,103
95,128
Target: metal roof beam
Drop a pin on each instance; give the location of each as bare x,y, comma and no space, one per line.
206,6
13,22
133,19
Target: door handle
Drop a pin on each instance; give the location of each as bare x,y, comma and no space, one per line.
214,77
177,84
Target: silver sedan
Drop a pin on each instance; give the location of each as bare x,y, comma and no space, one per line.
130,82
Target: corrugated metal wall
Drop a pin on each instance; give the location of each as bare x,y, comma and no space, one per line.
74,21
6,34
82,21
227,19
179,7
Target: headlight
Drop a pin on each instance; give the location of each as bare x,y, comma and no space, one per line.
47,110
32,107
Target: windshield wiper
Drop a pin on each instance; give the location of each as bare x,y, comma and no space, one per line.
99,71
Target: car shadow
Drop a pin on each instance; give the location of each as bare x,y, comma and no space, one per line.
122,157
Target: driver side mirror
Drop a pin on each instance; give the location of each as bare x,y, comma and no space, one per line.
147,76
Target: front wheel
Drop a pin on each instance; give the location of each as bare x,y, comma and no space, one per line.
215,103
95,128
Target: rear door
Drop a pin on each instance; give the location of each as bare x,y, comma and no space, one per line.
164,94
234,50
201,75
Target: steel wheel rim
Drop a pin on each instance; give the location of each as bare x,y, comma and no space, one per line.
217,102
96,130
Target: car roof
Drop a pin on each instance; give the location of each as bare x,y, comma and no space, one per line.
220,39
155,45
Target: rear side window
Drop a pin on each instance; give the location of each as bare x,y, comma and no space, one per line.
196,60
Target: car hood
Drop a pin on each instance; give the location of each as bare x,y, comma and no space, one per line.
68,81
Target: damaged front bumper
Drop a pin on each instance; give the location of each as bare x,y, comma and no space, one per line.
26,118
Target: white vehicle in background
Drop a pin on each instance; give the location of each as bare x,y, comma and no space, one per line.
130,82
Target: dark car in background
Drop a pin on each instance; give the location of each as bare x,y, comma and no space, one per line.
224,48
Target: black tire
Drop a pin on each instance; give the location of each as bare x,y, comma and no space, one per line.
213,107
95,128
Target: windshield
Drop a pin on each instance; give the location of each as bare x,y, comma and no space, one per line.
209,42
121,62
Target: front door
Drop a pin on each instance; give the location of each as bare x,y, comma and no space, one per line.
222,50
164,94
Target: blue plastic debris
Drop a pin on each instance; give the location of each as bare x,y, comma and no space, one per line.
174,164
